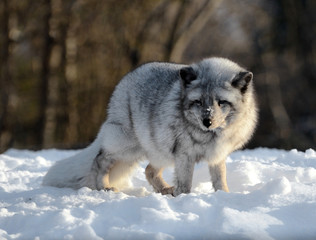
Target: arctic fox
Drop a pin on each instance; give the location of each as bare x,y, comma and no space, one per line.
168,114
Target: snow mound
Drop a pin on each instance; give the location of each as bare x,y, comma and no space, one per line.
273,196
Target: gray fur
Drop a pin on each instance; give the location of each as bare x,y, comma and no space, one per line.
170,114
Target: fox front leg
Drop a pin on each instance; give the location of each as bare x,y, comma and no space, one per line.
218,176
183,171
154,177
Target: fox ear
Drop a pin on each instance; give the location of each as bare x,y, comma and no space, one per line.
187,74
242,80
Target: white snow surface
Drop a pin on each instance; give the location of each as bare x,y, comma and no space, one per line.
273,196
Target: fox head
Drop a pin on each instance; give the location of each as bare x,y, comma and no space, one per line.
215,91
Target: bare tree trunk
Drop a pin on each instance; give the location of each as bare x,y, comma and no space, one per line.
71,77
45,71
135,53
192,28
172,34
52,97
4,75
68,76
64,89
276,104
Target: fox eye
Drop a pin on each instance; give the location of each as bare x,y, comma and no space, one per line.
223,103
197,103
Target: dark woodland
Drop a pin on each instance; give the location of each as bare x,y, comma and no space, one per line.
61,59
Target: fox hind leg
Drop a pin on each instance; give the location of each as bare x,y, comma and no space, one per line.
100,170
154,177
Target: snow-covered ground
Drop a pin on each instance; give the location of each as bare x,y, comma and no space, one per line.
273,196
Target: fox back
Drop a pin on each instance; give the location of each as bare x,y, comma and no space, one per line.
200,109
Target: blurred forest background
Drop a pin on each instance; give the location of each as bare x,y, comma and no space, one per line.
60,60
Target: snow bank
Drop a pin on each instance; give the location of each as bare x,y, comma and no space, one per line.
273,196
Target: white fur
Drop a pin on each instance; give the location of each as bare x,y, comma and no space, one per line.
152,115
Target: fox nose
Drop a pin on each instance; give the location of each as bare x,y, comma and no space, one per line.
207,122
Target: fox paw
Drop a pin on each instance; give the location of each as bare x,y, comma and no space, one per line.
167,190
178,190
